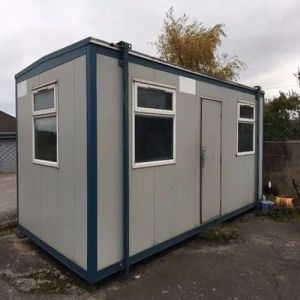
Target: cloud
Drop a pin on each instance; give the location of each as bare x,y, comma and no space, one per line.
263,34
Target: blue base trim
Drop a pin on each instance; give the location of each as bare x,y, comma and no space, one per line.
104,273
93,277
70,264
169,243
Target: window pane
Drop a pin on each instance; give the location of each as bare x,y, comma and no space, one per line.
44,99
246,112
45,138
245,137
150,98
153,138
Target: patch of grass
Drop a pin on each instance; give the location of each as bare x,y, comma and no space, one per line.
219,235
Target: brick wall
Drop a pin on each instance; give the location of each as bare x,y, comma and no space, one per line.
7,155
281,165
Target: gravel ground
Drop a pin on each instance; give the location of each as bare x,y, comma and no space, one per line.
251,257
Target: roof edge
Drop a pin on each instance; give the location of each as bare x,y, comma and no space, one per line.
158,60
113,46
56,53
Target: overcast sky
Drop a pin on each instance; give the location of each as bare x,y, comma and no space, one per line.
264,34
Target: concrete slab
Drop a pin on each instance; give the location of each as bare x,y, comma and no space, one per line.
250,258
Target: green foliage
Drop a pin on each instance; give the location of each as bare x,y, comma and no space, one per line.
281,118
195,47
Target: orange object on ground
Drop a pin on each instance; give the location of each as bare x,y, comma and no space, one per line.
284,202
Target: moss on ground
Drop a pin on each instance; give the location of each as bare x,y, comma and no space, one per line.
221,235
50,281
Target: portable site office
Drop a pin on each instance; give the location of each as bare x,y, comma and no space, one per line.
121,155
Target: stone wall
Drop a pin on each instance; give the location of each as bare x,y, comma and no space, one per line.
7,155
281,166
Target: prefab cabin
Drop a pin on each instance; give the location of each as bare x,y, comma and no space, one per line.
122,155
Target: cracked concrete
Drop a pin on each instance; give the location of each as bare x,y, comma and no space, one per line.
259,261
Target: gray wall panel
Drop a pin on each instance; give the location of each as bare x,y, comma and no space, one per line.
62,180
238,173
52,199
80,166
110,199
176,187
29,204
142,211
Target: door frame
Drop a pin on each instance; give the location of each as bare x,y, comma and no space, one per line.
221,160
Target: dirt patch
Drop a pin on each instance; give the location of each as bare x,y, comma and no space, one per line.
221,235
282,215
49,281
7,221
30,270
8,230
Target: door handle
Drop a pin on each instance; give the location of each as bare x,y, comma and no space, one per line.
203,150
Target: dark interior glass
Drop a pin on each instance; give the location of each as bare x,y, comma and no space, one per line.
45,138
44,99
153,138
245,137
151,98
246,112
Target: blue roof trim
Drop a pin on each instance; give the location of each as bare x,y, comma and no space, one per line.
108,51
50,63
77,49
182,72
53,55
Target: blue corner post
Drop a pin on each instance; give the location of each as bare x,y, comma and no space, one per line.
125,47
91,162
257,142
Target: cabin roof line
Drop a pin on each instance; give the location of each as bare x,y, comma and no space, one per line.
114,47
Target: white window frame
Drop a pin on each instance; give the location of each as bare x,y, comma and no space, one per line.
51,112
143,111
245,121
